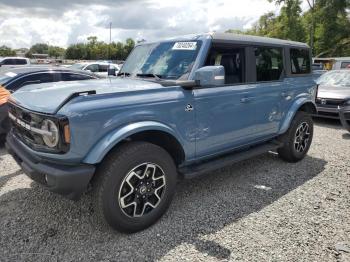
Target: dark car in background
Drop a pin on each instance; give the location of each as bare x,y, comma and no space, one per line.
333,93
15,78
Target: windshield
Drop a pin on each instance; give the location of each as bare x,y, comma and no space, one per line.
168,60
335,78
77,66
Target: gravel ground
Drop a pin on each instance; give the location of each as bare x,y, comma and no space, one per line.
261,209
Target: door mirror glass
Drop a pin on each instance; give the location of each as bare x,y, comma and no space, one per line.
210,76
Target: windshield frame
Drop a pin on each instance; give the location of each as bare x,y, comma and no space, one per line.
137,73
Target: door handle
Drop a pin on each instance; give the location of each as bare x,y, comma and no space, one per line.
284,94
246,99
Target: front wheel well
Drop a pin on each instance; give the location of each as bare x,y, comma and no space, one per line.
161,139
308,108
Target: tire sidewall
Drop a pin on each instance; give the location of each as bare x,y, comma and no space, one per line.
299,119
118,171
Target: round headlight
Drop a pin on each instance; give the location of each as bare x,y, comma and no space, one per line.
52,139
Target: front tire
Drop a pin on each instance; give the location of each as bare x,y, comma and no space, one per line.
134,186
297,140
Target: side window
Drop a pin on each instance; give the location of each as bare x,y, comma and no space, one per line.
269,63
33,79
8,62
345,65
92,68
103,68
300,61
47,77
232,59
20,62
75,77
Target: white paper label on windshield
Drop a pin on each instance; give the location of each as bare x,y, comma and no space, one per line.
11,74
185,46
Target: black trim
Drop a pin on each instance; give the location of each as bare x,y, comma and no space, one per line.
222,161
70,181
344,114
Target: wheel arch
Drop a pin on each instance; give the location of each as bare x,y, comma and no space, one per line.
152,132
302,104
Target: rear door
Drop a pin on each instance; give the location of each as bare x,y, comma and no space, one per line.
270,89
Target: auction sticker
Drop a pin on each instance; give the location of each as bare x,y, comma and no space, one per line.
185,46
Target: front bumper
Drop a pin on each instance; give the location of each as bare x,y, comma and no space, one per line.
344,114
70,181
327,112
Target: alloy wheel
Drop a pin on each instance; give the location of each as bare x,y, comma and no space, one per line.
142,190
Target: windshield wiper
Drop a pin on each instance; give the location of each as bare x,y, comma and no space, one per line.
150,75
123,74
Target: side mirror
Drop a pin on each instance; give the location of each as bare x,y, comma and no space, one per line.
210,76
111,71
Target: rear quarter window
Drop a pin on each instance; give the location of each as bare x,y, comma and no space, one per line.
300,61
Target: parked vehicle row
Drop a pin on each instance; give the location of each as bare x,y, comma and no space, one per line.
179,109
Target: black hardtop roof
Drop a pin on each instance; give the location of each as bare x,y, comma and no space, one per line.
258,40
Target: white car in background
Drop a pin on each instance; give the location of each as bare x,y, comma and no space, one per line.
6,62
99,68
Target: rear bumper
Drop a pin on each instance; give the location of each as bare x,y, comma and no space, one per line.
69,181
344,114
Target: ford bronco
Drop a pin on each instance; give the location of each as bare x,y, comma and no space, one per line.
179,108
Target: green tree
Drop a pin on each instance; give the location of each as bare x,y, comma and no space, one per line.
7,51
39,48
325,26
56,51
332,27
97,50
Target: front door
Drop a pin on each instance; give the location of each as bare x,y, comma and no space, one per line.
225,115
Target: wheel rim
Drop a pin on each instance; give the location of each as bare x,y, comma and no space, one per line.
302,137
142,190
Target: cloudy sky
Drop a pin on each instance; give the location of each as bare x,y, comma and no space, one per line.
23,22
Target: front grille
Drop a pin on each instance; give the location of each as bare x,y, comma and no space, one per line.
24,124
30,119
329,102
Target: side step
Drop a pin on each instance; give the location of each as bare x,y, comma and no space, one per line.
237,156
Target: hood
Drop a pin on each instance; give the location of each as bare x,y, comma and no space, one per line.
49,97
334,92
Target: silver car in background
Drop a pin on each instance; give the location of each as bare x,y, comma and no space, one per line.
333,93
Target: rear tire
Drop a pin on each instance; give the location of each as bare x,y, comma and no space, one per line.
297,140
134,186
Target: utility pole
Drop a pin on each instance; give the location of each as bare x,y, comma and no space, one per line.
312,31
110,41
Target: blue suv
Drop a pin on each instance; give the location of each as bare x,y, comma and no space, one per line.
179,108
